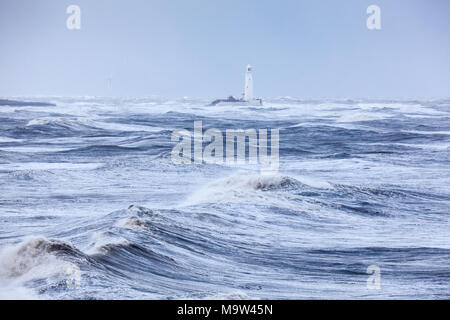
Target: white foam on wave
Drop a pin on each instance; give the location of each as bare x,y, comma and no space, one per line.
431,146
6,139
236,295
13,292
404,108
101,241
128,127
65,122
31,259
133,223
363,116
314,182
35,166
25,149
79,123
246,186
139,218
350,113
427,132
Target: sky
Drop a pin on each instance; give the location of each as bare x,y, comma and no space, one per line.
199,48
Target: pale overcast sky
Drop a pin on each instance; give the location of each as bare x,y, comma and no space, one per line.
199,48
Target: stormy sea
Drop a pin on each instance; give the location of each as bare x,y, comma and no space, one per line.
92,205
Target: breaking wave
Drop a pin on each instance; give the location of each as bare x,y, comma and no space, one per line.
33,259
245,186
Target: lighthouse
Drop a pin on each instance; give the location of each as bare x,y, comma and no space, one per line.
246,98
248,93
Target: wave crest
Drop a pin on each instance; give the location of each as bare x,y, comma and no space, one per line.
242,186
36,258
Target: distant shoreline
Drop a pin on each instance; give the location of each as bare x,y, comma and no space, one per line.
25,103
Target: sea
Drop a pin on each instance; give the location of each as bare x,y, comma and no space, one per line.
92,205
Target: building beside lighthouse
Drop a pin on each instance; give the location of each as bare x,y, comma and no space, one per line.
247,97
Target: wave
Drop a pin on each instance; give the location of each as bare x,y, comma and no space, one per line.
361,117
37,258
104,241
245,186
103,150
140,217
45,166
14,292
78,124
236,295
81,124
55,126
8,140
39,264
429,132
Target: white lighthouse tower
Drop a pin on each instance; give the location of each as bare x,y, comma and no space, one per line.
248,93
246,98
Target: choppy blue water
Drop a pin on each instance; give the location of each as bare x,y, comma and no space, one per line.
92,207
